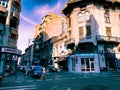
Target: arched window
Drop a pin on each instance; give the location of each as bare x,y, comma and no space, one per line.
80,17
87,16
107,17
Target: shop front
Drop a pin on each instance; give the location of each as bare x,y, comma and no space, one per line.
83,63
8,60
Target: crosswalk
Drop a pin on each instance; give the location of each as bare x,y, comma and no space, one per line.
25,87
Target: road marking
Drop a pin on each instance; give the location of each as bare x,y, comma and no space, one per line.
27,87
73,77
19,81
49,79
66,78
29,80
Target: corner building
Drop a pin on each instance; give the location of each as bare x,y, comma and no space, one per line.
9,21
93,35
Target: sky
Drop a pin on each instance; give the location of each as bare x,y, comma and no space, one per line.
31,14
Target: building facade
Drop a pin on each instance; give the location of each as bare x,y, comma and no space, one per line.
9,21
60,53
93,33
52,26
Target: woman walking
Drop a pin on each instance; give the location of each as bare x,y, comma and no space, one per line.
43,76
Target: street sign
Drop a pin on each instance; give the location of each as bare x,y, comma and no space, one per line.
10,50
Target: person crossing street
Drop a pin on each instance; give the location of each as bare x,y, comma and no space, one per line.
43,76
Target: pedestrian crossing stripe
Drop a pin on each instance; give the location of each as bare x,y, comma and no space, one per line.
26,87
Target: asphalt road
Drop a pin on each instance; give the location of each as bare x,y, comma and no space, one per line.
63,81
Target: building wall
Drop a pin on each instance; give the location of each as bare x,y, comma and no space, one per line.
9,15
98,27
97,22
52,25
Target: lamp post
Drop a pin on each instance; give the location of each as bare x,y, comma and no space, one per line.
29,56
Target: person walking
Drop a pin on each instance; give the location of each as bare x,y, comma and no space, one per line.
43,76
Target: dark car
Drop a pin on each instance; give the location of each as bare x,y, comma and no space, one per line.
51,68
36,71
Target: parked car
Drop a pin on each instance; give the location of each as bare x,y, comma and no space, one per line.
36,71
51,68
28,69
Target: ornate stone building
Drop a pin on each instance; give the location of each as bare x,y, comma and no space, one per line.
93,33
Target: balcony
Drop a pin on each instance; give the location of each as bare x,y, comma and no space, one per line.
14,31
2,9
12,42
87,39
18,1
16,15
1,41
1,27
108,38
70,41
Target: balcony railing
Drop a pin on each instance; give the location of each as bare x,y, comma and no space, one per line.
87,39
1,27
18,1
107,38
14,30
2,9
1,41
15,14
12,42
99,38
70,41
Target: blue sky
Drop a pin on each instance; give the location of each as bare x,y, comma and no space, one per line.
31,14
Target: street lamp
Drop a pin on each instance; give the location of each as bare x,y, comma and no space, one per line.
29,55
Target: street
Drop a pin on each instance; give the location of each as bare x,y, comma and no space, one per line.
63,81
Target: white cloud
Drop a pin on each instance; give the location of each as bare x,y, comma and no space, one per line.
28,20
42,11
26,30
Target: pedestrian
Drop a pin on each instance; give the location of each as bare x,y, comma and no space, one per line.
43,76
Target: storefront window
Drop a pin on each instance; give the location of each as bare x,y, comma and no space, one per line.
87,64
73,63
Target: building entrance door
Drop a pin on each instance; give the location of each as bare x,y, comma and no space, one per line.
110,64
91,66
87,64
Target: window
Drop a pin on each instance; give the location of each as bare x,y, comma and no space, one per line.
88,31
87,64
69,21
87,16
80,32
80,17
3,3
107,17
69,33
73,63
108,31
63,26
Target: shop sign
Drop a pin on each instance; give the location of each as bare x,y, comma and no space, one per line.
10,50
